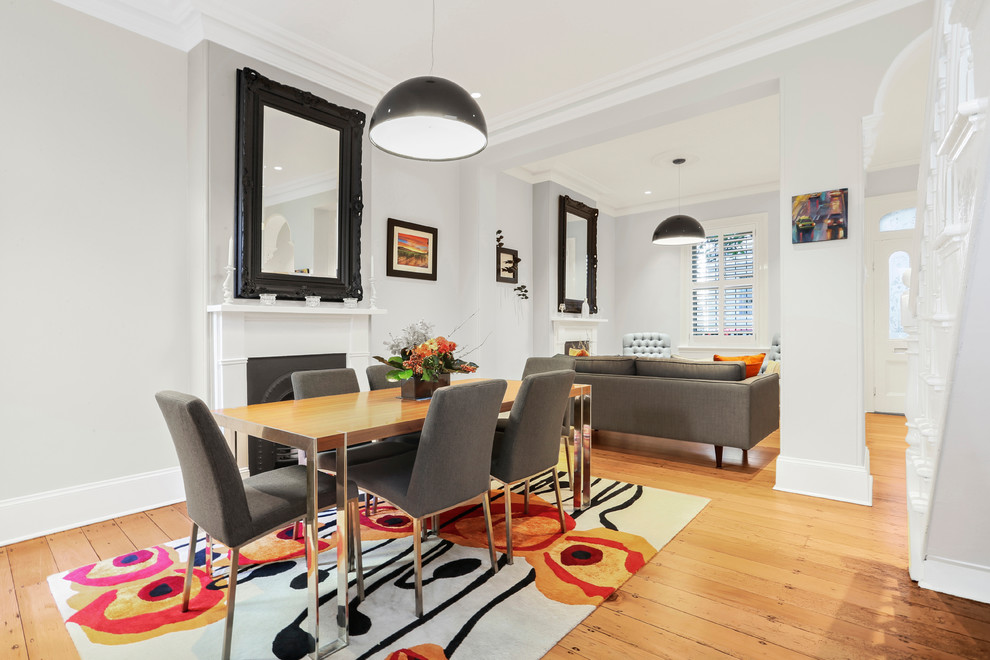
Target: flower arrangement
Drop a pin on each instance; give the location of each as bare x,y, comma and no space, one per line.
421,354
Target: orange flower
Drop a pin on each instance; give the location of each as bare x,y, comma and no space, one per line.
420,652
585,567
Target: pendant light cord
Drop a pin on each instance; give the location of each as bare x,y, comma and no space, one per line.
678,189
433,38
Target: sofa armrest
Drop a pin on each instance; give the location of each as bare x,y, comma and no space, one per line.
724,413
764,417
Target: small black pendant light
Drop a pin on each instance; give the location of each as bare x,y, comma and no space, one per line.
428,118
679,229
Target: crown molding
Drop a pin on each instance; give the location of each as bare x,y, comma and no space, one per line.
881,166
606,204
175,23
223,24
791,26
715,196
182,24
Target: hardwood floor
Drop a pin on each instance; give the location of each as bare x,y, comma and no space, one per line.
758,574
765,574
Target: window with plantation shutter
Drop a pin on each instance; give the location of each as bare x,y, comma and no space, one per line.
723,284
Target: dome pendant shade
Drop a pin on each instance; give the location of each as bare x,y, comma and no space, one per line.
679,230
428,118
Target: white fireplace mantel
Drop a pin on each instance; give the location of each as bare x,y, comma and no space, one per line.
248,329
575,328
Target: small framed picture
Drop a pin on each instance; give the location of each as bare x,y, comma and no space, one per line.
506,265
412,250
820,216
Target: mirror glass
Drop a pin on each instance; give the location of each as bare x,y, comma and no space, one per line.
577,266
298,193
299,196
576,258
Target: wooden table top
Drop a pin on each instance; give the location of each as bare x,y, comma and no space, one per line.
362,416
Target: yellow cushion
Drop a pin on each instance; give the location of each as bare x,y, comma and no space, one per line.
753,362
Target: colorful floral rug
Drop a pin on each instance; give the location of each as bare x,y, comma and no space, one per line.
130,606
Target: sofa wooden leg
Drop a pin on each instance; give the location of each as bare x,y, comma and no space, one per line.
718,456
745,457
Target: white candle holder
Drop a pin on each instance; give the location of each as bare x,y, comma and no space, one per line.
228,285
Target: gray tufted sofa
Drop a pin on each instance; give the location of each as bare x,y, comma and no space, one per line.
708,402
646,344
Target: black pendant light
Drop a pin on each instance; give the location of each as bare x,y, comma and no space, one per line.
679,229
428,118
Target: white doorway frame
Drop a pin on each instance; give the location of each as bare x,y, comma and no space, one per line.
875,208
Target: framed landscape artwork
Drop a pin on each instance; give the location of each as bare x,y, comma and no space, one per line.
412,250
820,216
506,269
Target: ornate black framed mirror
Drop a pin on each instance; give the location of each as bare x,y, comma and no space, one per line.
577,255
298,193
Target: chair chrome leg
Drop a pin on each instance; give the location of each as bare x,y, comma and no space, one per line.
209,556
560,501
508,525
487,503
526,498
418,563
435,524
567,457
356,541
231,593
187,582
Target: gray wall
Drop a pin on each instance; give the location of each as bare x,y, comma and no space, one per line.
545,245
649,296
98,252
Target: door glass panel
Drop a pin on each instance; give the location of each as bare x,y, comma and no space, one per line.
898,220
897,264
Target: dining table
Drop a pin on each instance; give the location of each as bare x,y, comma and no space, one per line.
335,422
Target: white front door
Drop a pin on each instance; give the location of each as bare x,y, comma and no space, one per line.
891,257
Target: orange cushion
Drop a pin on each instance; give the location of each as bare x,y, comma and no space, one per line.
578,352
753,362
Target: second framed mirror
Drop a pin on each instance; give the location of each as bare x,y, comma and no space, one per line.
577,255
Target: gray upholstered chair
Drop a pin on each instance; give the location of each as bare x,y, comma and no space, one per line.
538,365
232,510
328,382
449,468
324,382
530,443
376,377
646,344
773,353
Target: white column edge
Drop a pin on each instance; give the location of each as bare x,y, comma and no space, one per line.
833,481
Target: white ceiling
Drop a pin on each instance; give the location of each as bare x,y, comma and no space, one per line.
730,152
534,63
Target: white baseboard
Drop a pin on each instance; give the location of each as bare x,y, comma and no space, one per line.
956,578
30,516
833,481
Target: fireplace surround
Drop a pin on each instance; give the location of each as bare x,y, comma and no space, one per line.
244,330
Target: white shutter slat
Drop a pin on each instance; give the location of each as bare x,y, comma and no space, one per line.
739,255
704,312
704,260
739,320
